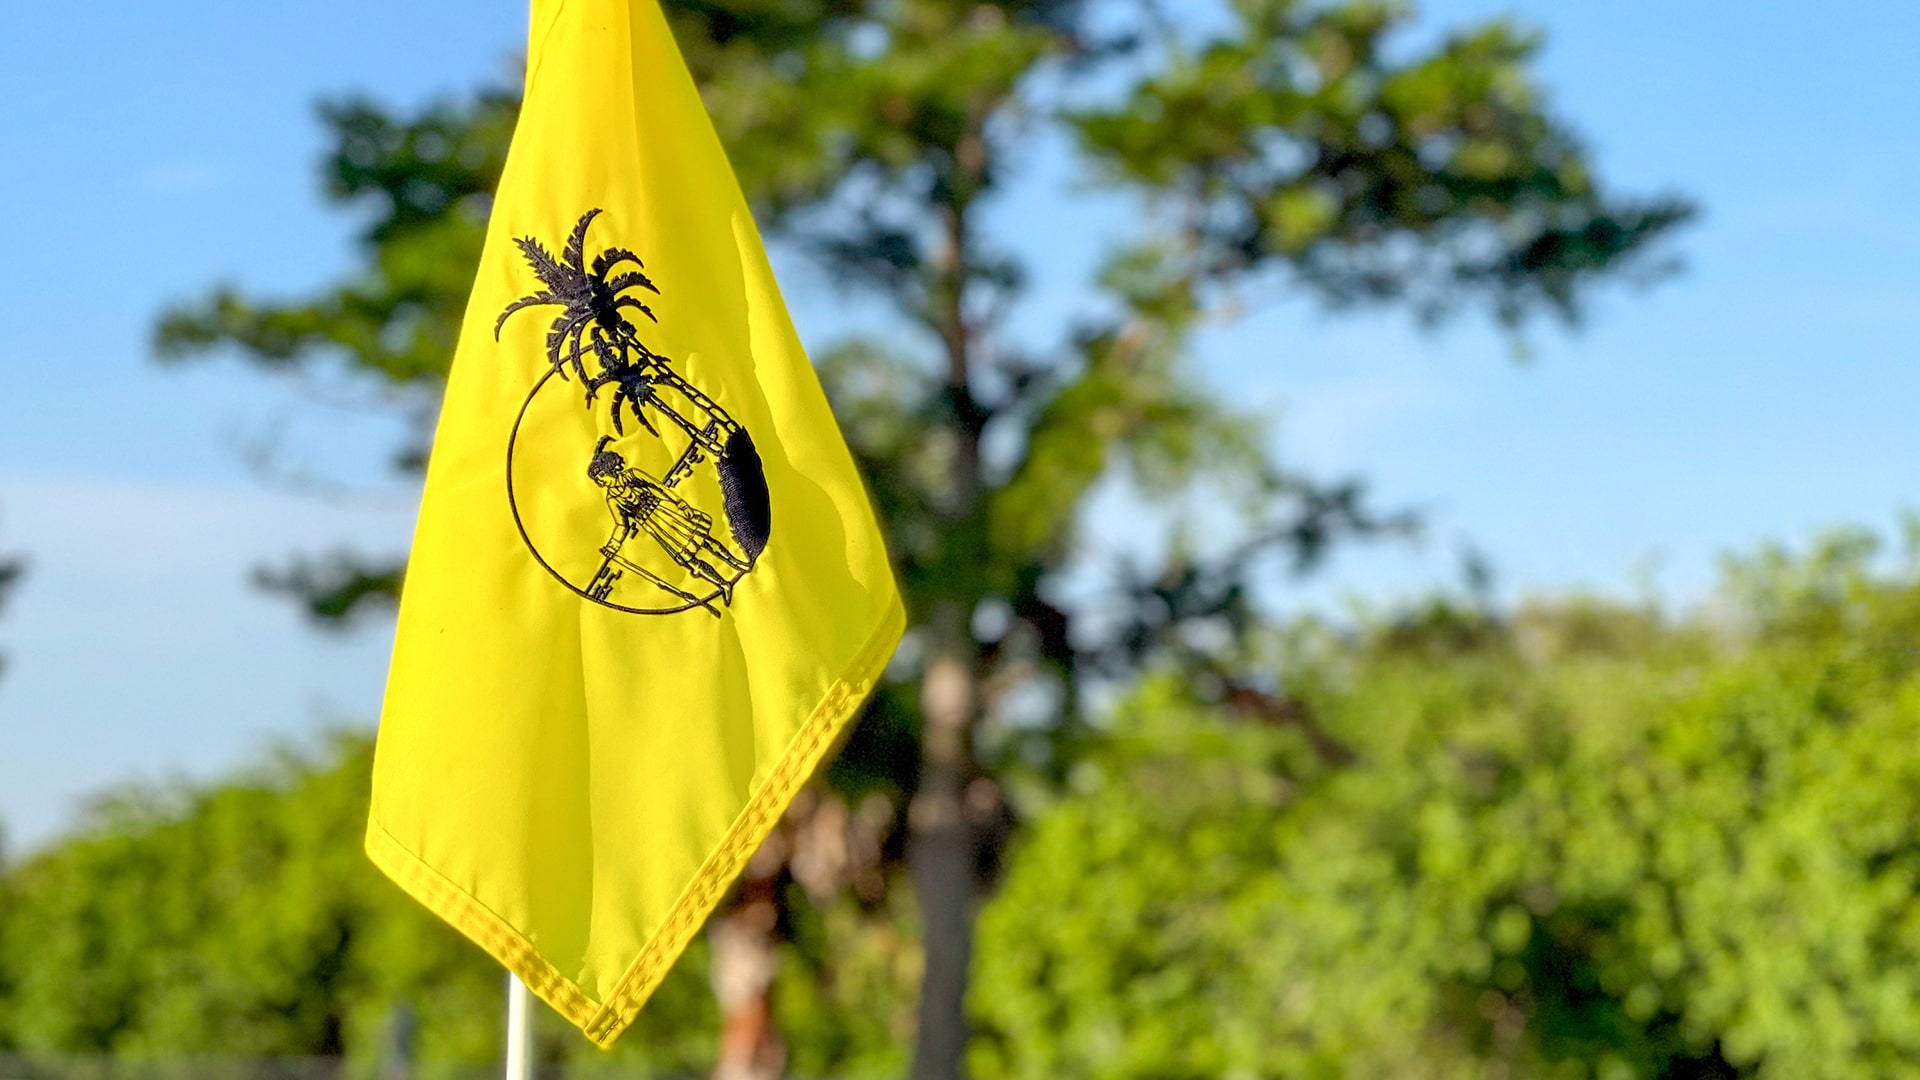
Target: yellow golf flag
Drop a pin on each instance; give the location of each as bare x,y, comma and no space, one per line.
647,590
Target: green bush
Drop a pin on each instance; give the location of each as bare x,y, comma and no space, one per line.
1579,842
242,919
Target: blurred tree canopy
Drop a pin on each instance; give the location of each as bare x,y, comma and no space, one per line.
1314,147
242,918
1580,839
1580,842
11,567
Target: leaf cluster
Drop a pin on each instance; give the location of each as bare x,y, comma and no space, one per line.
240,919
1582,840
1309,139
11,569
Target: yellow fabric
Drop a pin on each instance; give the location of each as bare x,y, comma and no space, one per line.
570,784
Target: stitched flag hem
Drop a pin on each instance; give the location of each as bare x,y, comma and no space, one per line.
604,1021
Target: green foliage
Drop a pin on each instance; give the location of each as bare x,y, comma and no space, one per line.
1306,137
1579,842
242,919
336,588
845,995
423,185
10,570
427,182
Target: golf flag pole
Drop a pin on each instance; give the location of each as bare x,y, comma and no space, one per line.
519,1030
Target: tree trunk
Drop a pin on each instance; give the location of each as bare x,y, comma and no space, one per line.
940,853
743,966
940,838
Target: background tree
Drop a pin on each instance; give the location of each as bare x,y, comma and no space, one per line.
239,919
1580,840
10,570
11,567
1304,145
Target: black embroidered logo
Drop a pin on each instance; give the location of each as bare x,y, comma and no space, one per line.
662,555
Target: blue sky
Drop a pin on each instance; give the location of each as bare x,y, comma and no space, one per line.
151,151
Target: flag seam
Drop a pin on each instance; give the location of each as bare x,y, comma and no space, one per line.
603,1022
749,829
482,924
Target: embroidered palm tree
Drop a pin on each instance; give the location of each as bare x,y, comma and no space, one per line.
591,323
590,302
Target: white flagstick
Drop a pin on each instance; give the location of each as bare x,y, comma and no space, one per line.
519,1029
